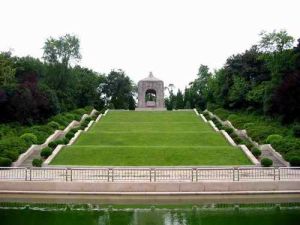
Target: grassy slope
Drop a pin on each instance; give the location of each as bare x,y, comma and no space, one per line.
124,138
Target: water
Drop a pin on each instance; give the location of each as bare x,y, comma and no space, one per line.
147,215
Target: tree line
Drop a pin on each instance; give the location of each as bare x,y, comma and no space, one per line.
264,79
32,90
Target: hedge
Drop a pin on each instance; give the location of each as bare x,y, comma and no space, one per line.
5,161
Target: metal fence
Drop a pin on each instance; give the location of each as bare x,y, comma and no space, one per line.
143,174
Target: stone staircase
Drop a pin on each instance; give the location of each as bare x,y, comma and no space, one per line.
268,154
28,161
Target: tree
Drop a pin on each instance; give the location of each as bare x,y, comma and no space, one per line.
62,50
117,90
275,41
179,100
7,71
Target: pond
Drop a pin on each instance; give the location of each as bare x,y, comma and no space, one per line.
37,214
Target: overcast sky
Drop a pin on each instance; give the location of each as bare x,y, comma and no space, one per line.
171,38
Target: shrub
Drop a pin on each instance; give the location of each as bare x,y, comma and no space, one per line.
15,144
74,130
238,140
61,120
256,152
59,142
79,111
296,130
65,140
13,155
29,138
273,139
229,130
69,116
222,113
69,135
5,162
54,125
233,135
266,162
260,133
295,161
248,125
46,152
37,162
52,144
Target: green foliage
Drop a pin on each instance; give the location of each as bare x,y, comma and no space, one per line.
295,161
14,144
229,130
256,152
222,113
273,139
275,41
296,130
46,152
54,125
65,141
5,162
7,70
29,138
37,162
266,162
70,135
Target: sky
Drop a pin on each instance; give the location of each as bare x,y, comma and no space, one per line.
171,38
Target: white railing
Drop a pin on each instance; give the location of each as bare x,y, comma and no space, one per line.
150,174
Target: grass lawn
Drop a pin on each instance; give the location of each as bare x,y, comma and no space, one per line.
129,138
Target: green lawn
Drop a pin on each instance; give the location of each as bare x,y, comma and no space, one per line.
129,138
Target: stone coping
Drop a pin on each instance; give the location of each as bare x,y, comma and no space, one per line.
72,141
162,187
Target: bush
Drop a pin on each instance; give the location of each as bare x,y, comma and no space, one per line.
13,155
62,120
233,135
37,162
59,142
222,113
65,140
79,112
5,162
46,152
256,152
14,144
295,161
29,138
238,140
248,125
296,130
260,133
69,116
273,139
229,130
54,125
52,144
74,130
69,135
266,162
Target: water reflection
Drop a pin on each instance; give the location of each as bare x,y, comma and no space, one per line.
148,216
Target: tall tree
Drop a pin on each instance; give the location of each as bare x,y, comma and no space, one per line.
62,50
